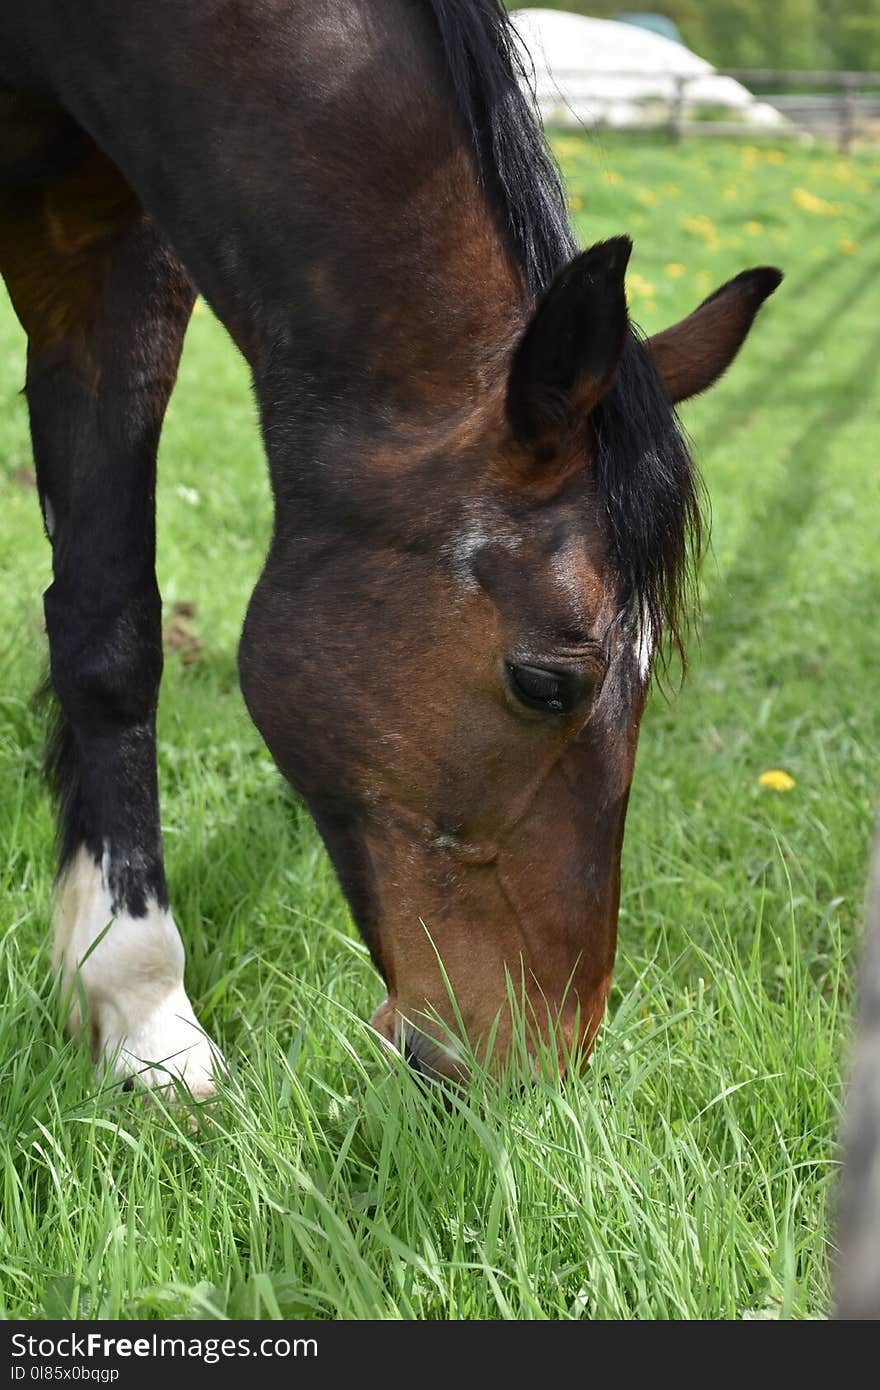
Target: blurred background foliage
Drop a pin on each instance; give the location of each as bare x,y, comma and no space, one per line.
835,34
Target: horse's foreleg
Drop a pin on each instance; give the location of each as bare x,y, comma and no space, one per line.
105,308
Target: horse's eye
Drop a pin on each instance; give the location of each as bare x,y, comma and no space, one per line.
552,692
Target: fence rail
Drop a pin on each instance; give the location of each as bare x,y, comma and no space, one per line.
847,110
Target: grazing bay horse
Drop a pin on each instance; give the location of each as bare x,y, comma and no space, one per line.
485,511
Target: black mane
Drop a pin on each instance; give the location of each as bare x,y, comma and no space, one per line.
644,471
488,67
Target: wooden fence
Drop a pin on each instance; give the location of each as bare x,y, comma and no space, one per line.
842,107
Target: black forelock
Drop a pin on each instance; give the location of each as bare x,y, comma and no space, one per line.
644,470
651,492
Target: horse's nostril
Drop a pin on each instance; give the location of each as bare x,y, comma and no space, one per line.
415,1062
431,1059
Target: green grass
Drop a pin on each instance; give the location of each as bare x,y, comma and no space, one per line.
690,1172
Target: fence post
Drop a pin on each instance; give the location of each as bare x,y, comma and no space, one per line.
848,113
676,122
857,1281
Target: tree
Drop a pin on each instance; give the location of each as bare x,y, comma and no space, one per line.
758,34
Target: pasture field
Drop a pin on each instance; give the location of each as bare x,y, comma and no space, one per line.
690,1173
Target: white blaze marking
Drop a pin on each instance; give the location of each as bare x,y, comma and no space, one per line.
141,1021
482,527
464,550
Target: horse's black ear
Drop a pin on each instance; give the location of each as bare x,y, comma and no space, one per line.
691,355
567,357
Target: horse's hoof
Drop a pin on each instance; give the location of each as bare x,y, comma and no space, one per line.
161,1051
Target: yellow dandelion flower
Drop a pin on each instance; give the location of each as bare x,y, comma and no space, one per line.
811,202
703,227
754,228
730,194
638,287
199,306
648,197
649,306
849,247
776,780
704,280
670,190
774,157
568,145
575,203
675,270
611,179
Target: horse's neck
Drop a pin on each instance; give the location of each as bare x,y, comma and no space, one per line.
312,177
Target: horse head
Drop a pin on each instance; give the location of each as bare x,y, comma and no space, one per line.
450,660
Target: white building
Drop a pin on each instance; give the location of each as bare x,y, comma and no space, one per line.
599,72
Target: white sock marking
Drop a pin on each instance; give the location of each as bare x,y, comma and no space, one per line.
141,1021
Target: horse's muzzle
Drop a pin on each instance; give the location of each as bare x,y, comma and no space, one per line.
426,1056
